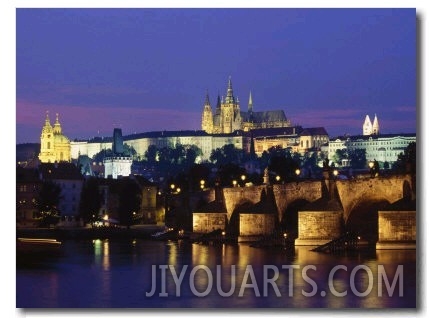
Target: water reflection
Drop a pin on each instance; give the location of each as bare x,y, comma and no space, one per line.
109,273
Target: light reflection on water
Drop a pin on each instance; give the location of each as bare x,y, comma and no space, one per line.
118,274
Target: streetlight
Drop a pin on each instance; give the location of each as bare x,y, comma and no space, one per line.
234,183
202,184
371,168
178,190
335,173
278,178
172,186
284,239
297,172
243,178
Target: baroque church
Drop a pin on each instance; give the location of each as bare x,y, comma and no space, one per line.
228,117
54,146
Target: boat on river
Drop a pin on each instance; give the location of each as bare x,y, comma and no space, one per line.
36,249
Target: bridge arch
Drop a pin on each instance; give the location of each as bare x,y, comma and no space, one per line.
353,193
363,218
289,220
233,228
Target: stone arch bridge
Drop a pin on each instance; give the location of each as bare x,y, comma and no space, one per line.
350,193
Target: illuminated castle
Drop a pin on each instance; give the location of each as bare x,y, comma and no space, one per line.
369,128
228,117
54,146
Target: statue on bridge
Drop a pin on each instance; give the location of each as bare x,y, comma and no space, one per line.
266,176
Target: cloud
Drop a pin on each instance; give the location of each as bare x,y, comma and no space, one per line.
405,109
85,122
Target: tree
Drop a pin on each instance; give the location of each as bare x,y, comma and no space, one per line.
407,160
357,158
129,151
98,157
151,154
229,172
191,154
284,166
90,200
311,166
339,155
47,201
225,155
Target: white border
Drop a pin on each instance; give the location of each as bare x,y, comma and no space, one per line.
8,80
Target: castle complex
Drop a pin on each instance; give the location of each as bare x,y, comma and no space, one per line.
227,125
54,146
228,117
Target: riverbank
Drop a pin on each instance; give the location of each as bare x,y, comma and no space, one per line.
139,231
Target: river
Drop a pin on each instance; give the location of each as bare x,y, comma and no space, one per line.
138,273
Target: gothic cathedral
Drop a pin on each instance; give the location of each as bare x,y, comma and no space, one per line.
54,146
228,117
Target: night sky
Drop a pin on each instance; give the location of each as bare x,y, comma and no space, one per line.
149,69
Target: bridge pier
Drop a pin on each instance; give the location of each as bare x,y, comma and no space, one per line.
396,230
319,227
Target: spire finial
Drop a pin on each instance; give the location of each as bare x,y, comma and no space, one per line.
250,106
207,101
47,121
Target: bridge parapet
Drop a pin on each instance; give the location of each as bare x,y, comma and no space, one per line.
238,195
287,193
352,192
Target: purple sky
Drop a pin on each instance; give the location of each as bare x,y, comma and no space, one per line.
149,69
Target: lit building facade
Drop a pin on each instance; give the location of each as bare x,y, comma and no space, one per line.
383,148
54,146
312,139
283,137
160,139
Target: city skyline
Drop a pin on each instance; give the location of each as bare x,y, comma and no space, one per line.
150,69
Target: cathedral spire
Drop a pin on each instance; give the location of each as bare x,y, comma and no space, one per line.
229,93
367,126
250,106
207,117
207,101
375,126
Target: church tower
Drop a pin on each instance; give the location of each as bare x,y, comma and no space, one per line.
375,126
230,119
367,127
207,118
47,153
54,146
119,164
